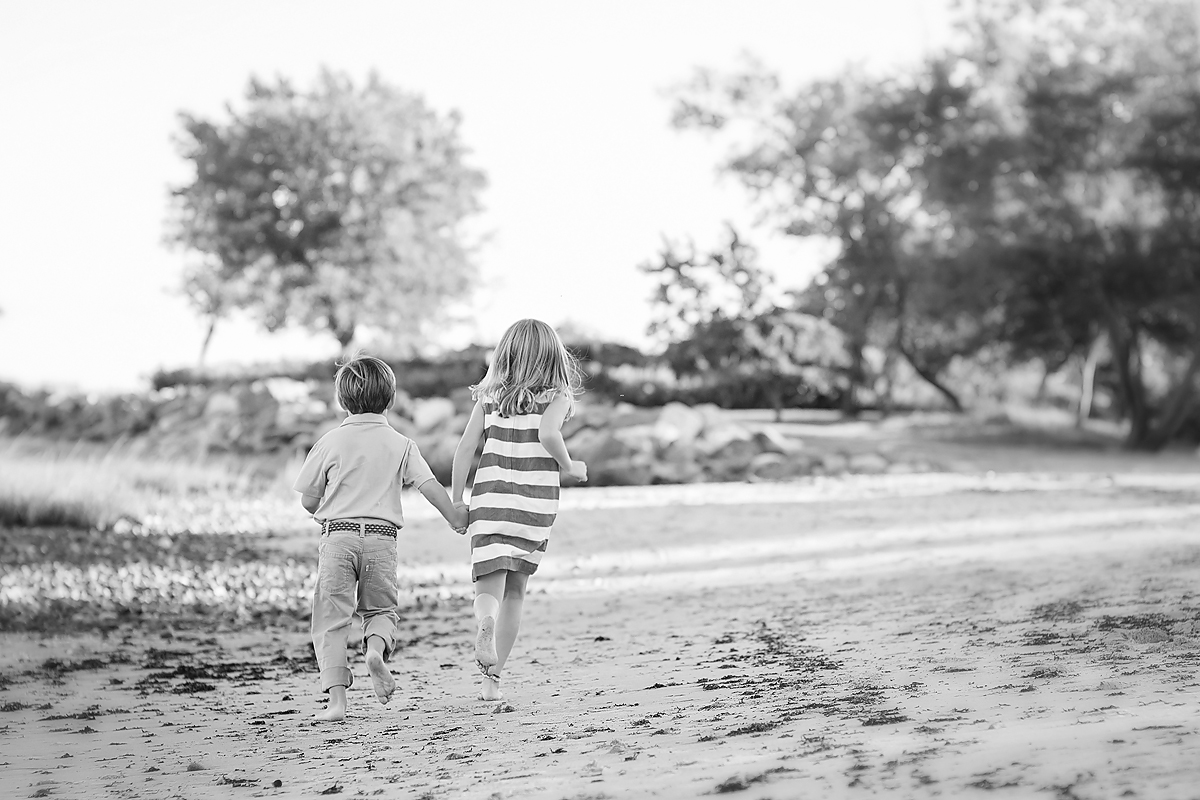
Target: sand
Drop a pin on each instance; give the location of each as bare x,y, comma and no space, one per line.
911,636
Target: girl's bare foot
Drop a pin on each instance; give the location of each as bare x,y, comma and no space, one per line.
491,687
381,677
485,642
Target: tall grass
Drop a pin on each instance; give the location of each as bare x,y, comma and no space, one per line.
89,486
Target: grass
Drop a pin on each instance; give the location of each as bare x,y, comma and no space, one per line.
54,484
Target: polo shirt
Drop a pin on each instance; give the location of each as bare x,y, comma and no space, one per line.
359,468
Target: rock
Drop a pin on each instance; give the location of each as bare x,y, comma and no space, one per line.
834,463
638,437
677,423
221,404
767,467
770,440
717,438
432,412
596,447
868,463
635,470
711,413
680,470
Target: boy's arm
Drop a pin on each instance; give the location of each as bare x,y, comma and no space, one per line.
437,497
464,454
312,479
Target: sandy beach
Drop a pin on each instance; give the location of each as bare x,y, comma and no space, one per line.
912,636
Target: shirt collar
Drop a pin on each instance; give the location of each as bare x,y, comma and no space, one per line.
365,419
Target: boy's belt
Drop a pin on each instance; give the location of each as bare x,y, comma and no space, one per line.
366,527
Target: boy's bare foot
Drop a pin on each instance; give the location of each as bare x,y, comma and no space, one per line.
485,642
331,715
336,710
491,687
381,677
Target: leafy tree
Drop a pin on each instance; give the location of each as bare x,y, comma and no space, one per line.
1038,185
1104,192
721,319
872,165
334,208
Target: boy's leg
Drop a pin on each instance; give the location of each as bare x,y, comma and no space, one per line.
378,598
332,613
488,590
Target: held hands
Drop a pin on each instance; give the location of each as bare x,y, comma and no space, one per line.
578,471
459,518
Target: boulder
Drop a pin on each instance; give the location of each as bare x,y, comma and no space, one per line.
768,467
770,440
634,470
675,472
834,463
868,463
638,437
432,412
780,467
678,463
717,438
221,404
711,413
596,447
677,423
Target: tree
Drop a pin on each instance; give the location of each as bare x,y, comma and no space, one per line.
334,208
721,318
1037,185
862,162
1104,227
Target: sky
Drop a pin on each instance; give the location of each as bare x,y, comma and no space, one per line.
565,107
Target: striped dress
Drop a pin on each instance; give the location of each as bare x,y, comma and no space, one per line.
515,495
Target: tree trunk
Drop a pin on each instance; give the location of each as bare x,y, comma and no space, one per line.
212,325
1178,406
1126,355
931,378
1087,389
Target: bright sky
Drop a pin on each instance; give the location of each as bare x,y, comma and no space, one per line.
564,108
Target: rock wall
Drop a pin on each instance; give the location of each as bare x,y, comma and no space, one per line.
623,445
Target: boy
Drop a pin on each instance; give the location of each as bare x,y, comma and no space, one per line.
350,483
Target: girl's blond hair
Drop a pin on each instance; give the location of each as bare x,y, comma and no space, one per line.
528,364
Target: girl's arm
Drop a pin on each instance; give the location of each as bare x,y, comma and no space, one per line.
550,435
464,454
436,495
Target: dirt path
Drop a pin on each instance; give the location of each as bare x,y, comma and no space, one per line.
1030,642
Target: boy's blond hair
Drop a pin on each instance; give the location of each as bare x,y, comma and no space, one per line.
365,385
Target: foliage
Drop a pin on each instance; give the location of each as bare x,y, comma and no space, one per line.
1036,185
44,483
717,312
334,208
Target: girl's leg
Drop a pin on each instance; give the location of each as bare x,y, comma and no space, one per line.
508,624
488,591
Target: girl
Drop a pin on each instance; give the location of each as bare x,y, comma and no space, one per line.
520,405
